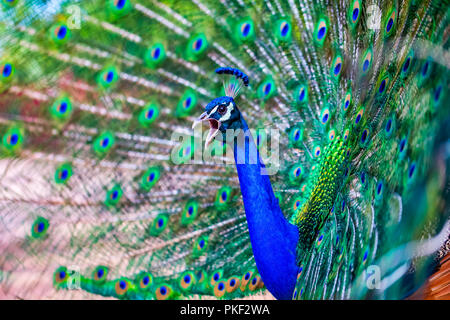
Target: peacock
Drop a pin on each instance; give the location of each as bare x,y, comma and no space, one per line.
212,149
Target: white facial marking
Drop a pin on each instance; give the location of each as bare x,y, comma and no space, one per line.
214,110
227,115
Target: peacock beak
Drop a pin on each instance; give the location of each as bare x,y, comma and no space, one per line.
214,126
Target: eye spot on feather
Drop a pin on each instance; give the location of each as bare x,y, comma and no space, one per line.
347,101
379,190
119,4
367,61
105,142
337,69
60,275
62,107
163,292
13,139
186,280
156,53
151,177
402,146
366,65
109,76
355,15
296,134
359,116
219,289
382,86
362,178
61,32
267,88
159,224
301,93
224,196
412,171
284,28
321,30
390,23
294,295
437,93
321,33
425,68
6,70
245,29
100,274
364,136
319,240
337,66
121,287
187,102
63,174
406,64
296,203
317,151
346,134
197,45
325,116
39,227
331,134
389,125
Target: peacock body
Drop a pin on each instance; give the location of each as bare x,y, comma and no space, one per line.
342,184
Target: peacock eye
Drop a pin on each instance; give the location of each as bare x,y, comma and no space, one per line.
222,109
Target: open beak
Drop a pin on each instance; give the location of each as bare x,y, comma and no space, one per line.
214,126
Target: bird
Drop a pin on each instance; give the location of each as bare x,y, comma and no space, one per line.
323,172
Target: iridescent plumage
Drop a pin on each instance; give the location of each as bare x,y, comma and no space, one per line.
106,188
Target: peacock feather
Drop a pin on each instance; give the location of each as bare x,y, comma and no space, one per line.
324,173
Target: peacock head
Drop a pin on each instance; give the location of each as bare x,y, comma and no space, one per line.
221,114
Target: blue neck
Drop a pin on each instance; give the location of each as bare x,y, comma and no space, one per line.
274,240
